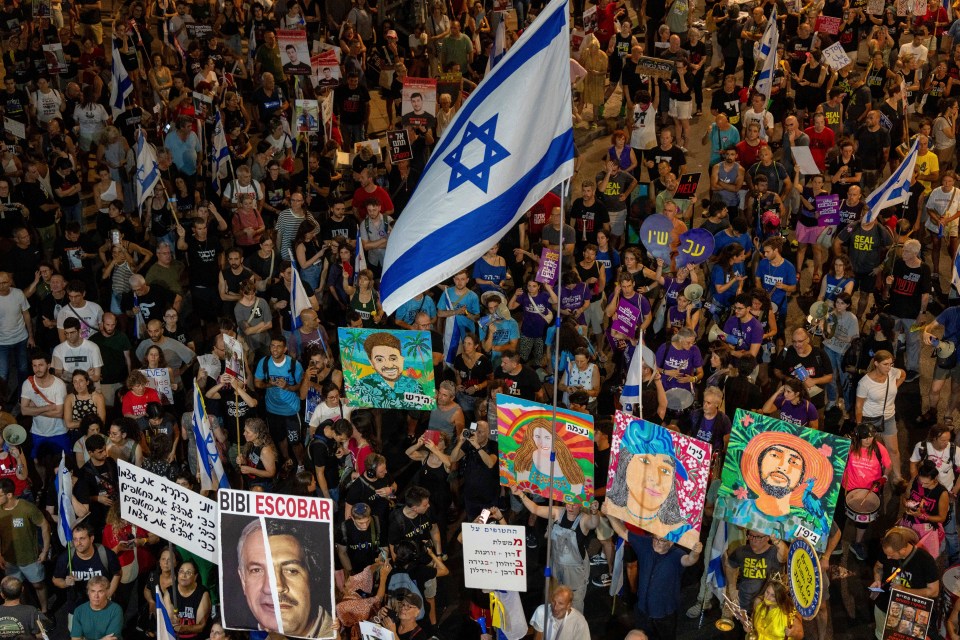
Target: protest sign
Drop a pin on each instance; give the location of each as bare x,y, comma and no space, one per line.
687,185
418,105
655,234
828,25
200,31
805,578
233,358
590,19
835,56
549,267
644,455
398,143
803,158
908,616
294,51
202,105
875,7
696,246
494,557
903,7
15,128
307,115
626,319
159,381
655,67
168,510
371,631
373,146
919,8
56,61
262,535
796,503
327,75
450,84
828,210
387,369
524,435
41,8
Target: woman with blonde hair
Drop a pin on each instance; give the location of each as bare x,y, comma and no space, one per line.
876,404
595,62
774,616
532,461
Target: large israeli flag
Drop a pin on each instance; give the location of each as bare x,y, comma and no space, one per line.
220,158
510,143
121,86
148,171
895,189
768,48
208,457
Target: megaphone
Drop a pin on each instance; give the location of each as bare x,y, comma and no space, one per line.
714,333
943,348
693,293
819,310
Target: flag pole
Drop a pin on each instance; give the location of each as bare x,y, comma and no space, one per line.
548,570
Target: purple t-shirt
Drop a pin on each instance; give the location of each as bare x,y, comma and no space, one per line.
673,288
799,414
535,309
751,331
572,298
687,361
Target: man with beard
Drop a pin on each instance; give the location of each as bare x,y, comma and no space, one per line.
115,348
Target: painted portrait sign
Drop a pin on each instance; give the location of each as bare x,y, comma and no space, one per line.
781,479
525,439
657,479
387,369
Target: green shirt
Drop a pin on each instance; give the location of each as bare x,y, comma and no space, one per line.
94,625
456,49
114,370
18,533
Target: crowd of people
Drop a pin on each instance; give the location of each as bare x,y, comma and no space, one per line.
101,296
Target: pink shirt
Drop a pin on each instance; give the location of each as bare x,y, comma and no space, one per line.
863,468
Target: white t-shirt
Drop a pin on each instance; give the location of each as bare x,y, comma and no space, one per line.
91,118
942,460
13,330
56,393
47,105
86,356
874,392
644,132
764,119
918,53
90,315
572,626
326,412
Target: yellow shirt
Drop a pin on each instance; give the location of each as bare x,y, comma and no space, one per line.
770,623
927,163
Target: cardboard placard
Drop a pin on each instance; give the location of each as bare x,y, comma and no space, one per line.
549,267
494,557
688,183
875,7
655,67
265,533
159,381
199,31
233,359
828,210
307,115
398,143
294,52
387,369
15,128
835,56
803,158
168,510
908,616
418,106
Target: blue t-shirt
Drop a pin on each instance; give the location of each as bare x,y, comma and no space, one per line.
482,270
717,277
658,577
281,401
949,319
835,286
722,239
506,331
408,311
609,261
721,140
450,301
770,275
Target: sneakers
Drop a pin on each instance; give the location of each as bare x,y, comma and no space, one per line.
694,611
532,541
597,560
912,376
857,549
603,580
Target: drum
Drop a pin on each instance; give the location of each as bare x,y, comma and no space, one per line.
862,505
951,582
679,402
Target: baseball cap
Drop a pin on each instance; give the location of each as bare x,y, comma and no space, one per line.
361,509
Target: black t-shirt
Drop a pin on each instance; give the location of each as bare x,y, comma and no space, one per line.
906,292
278,291
350,104
588,220
601,463
870,146
364,490
345,229
128,122
11,217
268,105
33,196
18,620
363,547
416,529
82,570
816,363
323,454
202,260
480,482
152,305
524,384
853,168
69,252
674,156
15,104
917,570
94,481
65,183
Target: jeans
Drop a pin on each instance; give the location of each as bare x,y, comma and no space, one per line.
912,360
839,376
13,357
950,529
72,213
353,133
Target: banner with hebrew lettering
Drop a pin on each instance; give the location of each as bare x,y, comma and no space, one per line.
781,479
494,557
696,246
655,235
657,479
387,369
525,440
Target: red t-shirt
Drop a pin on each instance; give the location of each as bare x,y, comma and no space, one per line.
8,469
137,405
539,214
360,198
747,155
820,144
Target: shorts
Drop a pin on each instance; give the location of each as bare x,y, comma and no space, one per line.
33,573
594,317
604,530
49,445
288,427
889,427
681,109
952,230
618,222
865,282
808,235
430,588
943,374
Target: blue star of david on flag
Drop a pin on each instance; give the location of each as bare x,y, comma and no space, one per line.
493,153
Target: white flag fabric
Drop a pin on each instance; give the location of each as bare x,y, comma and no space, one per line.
121,86
221,155
148,171
771,38
499,48
632,391
955,280
208,457
299,301
716,578
895,189
164,626
67,516
509,144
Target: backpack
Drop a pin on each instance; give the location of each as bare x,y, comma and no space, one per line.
265,369
402,580
953,457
